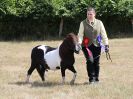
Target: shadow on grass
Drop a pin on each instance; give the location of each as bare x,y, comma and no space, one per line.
43,84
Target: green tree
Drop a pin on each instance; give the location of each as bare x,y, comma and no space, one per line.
2,8
64,9
23,8
7,7
41,9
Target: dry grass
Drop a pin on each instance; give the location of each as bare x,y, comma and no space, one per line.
116,78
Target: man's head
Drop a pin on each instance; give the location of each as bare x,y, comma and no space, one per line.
91,13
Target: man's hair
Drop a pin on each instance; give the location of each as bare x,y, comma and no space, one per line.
91,9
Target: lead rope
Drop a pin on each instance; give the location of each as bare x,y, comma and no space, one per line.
89,52
108,56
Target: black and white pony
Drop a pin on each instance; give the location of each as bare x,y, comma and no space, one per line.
45,58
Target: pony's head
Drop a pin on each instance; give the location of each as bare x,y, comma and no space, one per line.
73,43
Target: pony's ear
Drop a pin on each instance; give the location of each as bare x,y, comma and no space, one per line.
70,40
69,37
73,37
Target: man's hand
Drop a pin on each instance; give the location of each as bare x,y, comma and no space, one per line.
106,48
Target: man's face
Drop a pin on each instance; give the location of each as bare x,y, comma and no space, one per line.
90,15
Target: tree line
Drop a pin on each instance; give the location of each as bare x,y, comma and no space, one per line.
40,19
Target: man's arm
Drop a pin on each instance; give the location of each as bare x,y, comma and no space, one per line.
104,37
81,32
104,34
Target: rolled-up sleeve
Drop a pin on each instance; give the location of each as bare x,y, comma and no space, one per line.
103,34
80,33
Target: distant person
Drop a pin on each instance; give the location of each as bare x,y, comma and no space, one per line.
92,30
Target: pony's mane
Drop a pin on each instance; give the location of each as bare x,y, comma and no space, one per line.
67,44
72,36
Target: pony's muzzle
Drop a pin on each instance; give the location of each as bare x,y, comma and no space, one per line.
78,48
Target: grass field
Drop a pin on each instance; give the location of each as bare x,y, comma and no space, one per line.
116,78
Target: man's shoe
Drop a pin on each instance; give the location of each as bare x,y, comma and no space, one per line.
97,80
92,82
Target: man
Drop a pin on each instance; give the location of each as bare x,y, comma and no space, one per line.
91,28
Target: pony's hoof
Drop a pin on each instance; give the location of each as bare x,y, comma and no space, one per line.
72,82
62,83
27,82
43,82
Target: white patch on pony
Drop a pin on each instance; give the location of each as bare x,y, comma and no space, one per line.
53,59
43,47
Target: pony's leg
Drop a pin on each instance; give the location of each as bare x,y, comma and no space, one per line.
41,71
75,74
31,69
63,74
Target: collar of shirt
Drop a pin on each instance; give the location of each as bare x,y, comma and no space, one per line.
90,23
